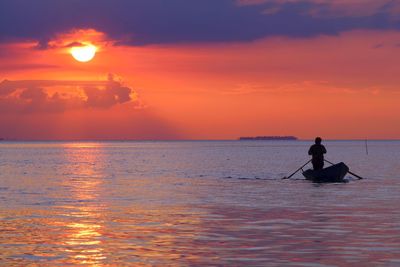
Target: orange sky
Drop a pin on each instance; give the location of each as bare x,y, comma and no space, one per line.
338,87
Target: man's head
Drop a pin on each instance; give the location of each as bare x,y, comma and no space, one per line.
318,140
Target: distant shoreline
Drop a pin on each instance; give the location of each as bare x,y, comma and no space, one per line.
269,138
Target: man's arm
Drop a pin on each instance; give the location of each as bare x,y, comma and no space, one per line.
323,150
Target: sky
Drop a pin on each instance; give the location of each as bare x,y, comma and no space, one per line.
200,69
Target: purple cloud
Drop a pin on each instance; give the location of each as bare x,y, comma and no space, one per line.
142,22
33,96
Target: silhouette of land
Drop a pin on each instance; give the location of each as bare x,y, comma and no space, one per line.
272,138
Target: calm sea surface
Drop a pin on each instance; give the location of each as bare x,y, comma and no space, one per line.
220,203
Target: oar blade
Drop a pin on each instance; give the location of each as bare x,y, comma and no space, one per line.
355,175
297,170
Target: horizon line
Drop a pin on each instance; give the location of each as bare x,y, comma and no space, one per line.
188,140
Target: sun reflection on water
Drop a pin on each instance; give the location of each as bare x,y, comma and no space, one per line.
96,229
84,226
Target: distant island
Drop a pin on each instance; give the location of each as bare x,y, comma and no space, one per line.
270,138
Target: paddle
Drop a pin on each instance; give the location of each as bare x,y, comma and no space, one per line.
297,170
352,173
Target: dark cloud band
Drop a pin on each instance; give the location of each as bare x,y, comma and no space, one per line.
140,22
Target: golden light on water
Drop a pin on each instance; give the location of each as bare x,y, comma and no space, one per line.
85,230
88,224
87,238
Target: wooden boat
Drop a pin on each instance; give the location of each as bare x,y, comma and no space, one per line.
332,174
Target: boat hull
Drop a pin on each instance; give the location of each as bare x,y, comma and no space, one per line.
332,174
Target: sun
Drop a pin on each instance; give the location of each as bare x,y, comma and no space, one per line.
83,53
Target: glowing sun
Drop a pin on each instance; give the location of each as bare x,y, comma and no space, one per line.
83,53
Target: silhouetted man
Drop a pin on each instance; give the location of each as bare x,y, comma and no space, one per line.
317,152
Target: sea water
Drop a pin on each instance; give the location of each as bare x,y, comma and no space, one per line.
196,203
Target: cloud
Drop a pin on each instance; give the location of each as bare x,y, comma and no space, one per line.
335,8
104,98
49,96
145,22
